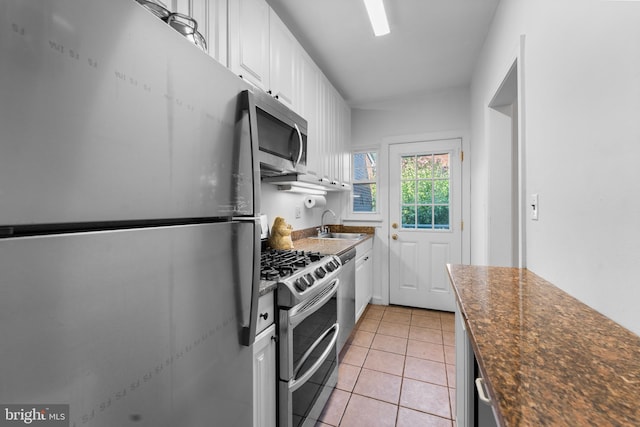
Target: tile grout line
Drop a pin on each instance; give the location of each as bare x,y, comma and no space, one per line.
402,376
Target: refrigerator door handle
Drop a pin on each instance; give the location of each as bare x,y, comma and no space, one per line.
249,330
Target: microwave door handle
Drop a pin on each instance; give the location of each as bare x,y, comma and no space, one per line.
301,147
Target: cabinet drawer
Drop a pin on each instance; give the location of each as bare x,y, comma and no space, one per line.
362,248
265,312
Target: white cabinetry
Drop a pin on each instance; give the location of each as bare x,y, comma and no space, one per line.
264,365
249,41
334,123
364,276
308,92
283,63
264,378
263,51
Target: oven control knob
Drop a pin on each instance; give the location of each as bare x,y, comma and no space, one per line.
320,272
300,284
310,279
330,266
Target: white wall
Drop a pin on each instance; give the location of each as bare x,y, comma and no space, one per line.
444,113
278,203
416,114
581,110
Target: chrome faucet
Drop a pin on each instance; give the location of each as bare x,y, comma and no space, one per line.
323,228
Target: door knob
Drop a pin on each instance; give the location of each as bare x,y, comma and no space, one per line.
394,225
394,236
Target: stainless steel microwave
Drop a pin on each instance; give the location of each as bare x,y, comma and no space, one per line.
281,134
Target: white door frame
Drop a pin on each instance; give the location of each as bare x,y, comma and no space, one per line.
502,95
385,233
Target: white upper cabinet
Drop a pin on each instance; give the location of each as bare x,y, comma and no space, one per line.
249,41
263,51
334,123
308,101
283,64
346,146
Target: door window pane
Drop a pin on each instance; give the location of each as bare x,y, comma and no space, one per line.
408,192
408,169
425,184
408,217
425,217
441,217
441,191
424,192
441,166
424,166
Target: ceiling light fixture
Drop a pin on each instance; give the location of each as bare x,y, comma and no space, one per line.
377,16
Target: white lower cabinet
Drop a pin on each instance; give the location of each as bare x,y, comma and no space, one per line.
264,378
364,276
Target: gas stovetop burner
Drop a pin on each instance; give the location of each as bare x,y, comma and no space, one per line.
303,273
275,264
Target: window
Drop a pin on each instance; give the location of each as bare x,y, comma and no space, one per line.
365,182
425,191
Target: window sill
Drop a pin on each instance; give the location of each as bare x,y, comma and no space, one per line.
375,219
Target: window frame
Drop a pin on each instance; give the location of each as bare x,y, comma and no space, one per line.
354,181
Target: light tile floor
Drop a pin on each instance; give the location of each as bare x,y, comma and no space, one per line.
398,371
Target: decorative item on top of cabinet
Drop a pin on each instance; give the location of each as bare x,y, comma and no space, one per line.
211,16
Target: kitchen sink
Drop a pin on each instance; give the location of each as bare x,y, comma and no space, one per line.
346,236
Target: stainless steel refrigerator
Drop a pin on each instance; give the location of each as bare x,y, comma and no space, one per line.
129,248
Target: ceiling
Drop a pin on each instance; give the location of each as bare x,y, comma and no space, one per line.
433,44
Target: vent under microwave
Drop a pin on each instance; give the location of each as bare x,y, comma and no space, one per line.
281,135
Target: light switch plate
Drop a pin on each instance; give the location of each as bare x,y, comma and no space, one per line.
298,212
534,207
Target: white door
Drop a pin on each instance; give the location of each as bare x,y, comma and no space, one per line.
425,201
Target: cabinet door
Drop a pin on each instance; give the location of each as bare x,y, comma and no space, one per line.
282,60
364,282
346,145
264,379
212,19
249,40
309,110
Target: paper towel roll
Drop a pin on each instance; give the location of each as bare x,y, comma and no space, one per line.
315,201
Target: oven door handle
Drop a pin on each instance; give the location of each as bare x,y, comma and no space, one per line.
299,315
296,383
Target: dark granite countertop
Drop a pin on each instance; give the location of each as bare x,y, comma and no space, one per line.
547,358
327,246
304,240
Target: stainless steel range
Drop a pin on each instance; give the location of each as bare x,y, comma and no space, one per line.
308,329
